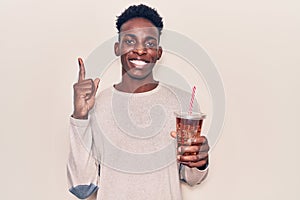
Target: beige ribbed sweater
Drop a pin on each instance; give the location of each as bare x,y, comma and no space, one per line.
124,150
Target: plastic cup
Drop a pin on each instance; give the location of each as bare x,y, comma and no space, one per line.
188,127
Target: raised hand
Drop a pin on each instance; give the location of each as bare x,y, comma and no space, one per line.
84,93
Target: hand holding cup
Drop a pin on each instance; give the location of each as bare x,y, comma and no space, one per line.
192,147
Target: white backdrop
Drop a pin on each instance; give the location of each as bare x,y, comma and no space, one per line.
255,45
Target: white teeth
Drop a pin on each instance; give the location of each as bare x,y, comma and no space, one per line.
138,62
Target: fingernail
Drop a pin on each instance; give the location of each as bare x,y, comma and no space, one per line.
179,149
178,157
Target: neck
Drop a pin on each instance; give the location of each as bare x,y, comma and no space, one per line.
131,85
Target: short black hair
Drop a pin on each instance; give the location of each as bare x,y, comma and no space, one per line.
142,11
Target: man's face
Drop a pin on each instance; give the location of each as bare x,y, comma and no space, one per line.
138,47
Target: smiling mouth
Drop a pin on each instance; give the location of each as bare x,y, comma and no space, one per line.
139,63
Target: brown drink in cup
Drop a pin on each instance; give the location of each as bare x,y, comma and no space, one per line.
188,127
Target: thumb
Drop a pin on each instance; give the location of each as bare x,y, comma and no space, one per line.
96,84
173,134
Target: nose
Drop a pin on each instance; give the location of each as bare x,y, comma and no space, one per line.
139,49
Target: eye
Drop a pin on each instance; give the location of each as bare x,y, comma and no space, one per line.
129,42
150,44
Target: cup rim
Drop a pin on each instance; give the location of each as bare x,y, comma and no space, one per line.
193,115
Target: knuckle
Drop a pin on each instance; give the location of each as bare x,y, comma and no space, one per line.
75,86
193,149
203,139
195,157
90,80
202,162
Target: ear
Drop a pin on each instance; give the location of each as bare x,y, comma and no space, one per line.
117,49
159,52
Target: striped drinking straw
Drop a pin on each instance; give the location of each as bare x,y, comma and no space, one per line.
192,100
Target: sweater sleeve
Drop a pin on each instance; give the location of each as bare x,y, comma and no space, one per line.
192,176
83,170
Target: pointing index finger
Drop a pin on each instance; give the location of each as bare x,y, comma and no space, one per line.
81,76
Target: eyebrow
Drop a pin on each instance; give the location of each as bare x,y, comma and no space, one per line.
151,38
130,35
134,36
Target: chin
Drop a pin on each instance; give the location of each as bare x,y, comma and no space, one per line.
137,74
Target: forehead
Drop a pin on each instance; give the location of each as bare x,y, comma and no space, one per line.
139,27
